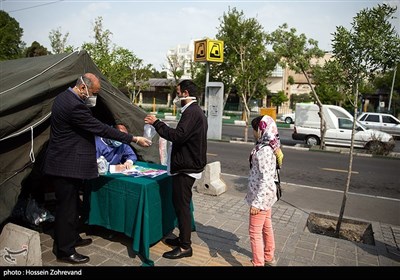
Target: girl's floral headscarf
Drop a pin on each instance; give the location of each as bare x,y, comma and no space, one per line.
267,135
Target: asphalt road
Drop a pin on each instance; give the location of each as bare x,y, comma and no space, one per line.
377,176
237,132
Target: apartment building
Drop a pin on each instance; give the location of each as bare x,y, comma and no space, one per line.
180,57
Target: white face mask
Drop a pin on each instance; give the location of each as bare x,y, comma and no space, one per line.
177,100
91,101
87,92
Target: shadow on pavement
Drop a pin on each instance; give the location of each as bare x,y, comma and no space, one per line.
223,243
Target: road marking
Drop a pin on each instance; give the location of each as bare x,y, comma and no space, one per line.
322,189
339,170
213,155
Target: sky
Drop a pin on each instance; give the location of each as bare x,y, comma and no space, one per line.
150,28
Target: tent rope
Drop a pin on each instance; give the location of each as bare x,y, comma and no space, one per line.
39,74
31,156
16,172
28,128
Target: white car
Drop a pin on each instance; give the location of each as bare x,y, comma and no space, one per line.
339,125
380,121
288,118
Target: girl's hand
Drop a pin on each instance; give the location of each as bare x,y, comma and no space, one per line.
254,211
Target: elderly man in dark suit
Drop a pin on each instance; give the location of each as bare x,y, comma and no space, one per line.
70,159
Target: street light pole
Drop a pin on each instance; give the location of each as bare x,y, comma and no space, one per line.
391,90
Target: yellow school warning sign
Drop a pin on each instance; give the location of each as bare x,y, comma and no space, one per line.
209,50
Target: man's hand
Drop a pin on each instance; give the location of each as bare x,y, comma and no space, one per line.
150,119
140,140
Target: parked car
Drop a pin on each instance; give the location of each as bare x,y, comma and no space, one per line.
288,118
339,124
380,121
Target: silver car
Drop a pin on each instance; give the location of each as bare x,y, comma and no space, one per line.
380,121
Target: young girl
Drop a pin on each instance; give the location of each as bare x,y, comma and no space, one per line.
261,194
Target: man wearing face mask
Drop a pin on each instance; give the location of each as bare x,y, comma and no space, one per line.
186,161
114,151
70,159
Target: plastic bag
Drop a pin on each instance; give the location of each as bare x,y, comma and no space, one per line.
149,131
36,215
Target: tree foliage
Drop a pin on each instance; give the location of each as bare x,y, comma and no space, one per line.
121,67
10,37
100,50
58,41
247,62
297,53
329,83
36,49
176,66
372,45
278,98
300,98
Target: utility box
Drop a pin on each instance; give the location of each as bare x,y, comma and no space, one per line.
271,111
215,107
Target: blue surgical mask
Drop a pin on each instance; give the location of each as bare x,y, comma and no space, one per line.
115,143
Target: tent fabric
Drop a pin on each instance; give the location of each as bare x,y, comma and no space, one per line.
28,87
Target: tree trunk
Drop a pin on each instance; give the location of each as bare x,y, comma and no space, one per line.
321,115
343,206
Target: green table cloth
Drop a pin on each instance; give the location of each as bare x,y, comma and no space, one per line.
140,207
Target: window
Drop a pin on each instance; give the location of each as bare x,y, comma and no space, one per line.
345,123
389,119
372,118
363,117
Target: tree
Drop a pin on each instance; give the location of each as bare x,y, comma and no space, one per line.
100,50
199,77
297,53
129,72
10,37
390,82
278,98
58,41
247,63
36,49
329,83
176,68
176,65
121,67
372,45
158,74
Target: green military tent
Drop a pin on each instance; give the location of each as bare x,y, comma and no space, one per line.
28,87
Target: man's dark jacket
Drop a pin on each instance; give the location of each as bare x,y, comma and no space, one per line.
189,140
72,151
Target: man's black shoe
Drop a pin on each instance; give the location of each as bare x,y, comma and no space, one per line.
75,259
83,242
178,253
174,242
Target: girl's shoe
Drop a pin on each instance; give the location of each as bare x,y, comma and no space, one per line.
272,262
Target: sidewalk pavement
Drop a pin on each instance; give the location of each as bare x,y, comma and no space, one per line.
222,239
